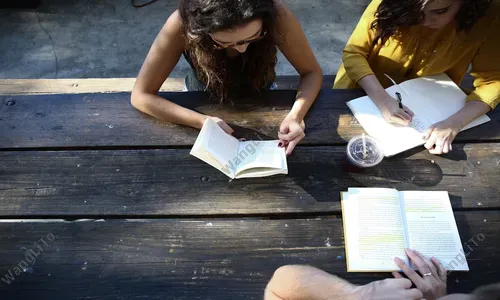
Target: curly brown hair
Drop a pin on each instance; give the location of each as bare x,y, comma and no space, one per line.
202,17
393,16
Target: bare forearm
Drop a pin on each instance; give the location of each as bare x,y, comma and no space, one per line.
470,112
308,90
165,110
307,283
374,89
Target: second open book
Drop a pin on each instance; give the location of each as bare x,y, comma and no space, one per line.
235,158
380,223
432,99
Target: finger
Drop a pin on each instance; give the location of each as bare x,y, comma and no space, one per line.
414,294
436,150
284,129
398,119
429,132
440,268
292,145
408,111
404,115
446,145
427,262
225,127
431,141
418,261
401,282
282,143
292,134
408,271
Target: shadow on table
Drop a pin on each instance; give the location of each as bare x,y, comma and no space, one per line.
414,172
325,174
324,180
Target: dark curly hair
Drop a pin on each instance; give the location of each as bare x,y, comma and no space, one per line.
202,17
392,16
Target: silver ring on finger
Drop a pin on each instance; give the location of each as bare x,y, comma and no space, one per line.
427,274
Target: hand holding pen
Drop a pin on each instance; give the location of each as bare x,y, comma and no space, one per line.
394,111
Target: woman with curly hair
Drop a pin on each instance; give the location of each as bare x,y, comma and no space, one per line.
231,46
415,38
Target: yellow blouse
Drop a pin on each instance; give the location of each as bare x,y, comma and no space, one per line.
423,51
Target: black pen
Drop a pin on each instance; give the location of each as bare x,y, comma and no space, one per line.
400,100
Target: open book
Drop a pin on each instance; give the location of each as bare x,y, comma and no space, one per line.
380,223
235,158
432,99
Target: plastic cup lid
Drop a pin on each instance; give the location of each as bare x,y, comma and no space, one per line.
365,154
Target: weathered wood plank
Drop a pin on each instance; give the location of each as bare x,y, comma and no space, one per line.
113,85
78,85
205,259
86,120
171,182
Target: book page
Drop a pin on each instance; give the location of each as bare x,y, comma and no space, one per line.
432,229
217,142
437,98
432,99
373,229
259,154
260,172
394,138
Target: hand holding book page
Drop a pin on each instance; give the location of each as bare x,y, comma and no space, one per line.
238,159
432,99
380,223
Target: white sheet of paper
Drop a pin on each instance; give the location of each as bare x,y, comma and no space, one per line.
432,99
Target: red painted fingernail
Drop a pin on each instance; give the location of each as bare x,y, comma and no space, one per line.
280,145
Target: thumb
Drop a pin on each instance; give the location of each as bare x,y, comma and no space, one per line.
429,132
225,127
408,111
284,129
406,117
403,282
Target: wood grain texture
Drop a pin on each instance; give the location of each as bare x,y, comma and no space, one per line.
78,85
113,85
204,259
87,120
171,182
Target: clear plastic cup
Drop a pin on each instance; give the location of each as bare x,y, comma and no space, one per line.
364,151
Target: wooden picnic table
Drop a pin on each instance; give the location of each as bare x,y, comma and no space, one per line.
118,209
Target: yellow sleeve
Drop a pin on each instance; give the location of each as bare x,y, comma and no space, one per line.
486,69
355,53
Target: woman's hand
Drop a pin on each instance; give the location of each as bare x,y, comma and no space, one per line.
440,136
290,133
223,125
389,108
432,283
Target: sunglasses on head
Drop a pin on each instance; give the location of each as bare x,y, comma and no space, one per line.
239,43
